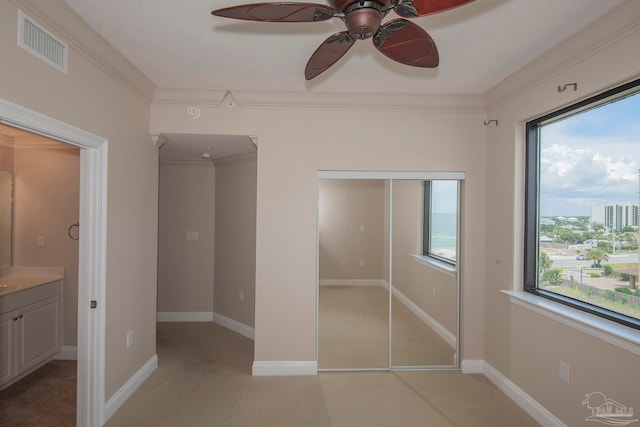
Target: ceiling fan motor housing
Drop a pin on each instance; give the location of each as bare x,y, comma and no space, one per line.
362,18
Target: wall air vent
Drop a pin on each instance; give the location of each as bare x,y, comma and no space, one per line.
35,39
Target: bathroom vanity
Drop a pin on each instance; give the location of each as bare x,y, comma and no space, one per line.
30,323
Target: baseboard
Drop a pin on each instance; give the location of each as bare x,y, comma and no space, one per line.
472,366
284,368
234,325
442,332
515,393
132,384
352,282
184,316
68,352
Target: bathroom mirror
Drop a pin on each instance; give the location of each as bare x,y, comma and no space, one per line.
6,200
383,302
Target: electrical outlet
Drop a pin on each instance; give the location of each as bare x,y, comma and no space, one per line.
130,338
363,228
241,295
564,372
42,241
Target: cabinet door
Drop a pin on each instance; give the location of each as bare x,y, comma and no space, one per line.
39,333
7,347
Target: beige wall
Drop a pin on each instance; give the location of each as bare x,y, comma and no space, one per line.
430,288
235,261
46,202
345,206
185,267
97,97
431,134
6,154
524,346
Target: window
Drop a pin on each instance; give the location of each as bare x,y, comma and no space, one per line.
581,213
440,220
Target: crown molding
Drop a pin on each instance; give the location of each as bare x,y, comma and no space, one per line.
236,158
158,140
619,24
200,163
219,98
59,18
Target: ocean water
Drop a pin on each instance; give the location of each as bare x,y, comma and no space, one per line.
443,234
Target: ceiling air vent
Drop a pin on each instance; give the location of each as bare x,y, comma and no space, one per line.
35,39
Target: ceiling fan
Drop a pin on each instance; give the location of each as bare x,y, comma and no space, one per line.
399,39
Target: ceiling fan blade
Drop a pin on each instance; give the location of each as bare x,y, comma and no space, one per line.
415,8
407,43
328,53
278,12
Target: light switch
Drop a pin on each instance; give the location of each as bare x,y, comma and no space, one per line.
192,235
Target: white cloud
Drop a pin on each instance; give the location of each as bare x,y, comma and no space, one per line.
577,171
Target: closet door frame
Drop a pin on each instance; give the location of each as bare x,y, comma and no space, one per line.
391,176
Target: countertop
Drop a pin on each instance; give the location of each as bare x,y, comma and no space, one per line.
13,284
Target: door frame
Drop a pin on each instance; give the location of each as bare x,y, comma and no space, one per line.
92,251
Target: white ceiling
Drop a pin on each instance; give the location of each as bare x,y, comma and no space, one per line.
179,44
191,147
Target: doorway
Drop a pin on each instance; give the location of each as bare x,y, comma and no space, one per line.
92,251
384,301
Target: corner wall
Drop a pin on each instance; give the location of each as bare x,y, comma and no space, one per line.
186,263
235,246
521,344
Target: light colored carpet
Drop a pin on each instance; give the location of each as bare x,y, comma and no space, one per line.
353,328
204,379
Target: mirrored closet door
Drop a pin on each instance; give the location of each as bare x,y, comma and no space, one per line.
382,303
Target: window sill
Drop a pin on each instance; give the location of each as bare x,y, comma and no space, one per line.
443,266
597,327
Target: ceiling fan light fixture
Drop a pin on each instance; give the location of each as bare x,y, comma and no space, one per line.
363,23
399,40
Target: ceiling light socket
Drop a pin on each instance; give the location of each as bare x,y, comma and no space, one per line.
206,154
193,112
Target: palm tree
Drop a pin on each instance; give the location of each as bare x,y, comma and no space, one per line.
597,255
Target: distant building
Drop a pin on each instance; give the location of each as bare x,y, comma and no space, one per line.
615,215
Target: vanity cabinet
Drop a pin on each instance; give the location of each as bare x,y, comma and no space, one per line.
30,330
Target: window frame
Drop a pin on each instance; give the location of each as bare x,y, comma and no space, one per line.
531,198
426,222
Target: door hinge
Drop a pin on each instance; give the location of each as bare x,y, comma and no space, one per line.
94,303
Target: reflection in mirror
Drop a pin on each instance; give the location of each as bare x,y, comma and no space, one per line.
383,303
6,200
424,281
353,315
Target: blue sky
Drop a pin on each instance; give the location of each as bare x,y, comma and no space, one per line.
444,196
590,158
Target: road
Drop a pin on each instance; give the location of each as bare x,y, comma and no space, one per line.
565,261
